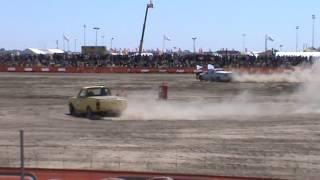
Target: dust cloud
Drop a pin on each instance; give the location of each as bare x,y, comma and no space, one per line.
304,99
290,76
160,110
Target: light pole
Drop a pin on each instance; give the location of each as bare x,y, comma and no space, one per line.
194,44
266,43
149,5
297,38
75,45
313,20
267,38
244,42
84,34
111,41
102,38
165,38
97,29
281,47
163,43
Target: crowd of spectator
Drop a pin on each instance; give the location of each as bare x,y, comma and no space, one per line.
155,61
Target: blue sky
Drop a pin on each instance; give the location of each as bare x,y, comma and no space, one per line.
216,23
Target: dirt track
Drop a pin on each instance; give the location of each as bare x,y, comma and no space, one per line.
241,129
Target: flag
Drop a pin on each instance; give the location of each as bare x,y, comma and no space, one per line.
166,38
66,38
210,67
199,67
270,38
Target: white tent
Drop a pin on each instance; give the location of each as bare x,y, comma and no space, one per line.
55,51
36,51
304,54
144,54
33,51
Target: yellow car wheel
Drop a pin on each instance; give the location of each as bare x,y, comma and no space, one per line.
89,113
71,110
117,114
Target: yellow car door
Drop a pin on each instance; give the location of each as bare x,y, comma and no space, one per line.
81,101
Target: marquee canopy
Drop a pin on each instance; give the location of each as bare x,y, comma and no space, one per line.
36,51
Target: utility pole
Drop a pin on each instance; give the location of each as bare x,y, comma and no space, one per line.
149,5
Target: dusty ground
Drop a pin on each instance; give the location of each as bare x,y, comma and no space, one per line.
243,129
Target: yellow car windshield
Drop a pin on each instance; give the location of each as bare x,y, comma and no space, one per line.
98,92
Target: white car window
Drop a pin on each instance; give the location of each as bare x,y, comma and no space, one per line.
98,92
83,93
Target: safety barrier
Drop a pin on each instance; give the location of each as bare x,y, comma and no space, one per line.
93,70
131,70
56,174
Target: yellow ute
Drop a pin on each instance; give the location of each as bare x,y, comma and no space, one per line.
96,100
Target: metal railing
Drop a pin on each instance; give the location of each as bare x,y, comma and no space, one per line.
199,162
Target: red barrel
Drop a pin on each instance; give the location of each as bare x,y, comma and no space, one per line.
163,91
